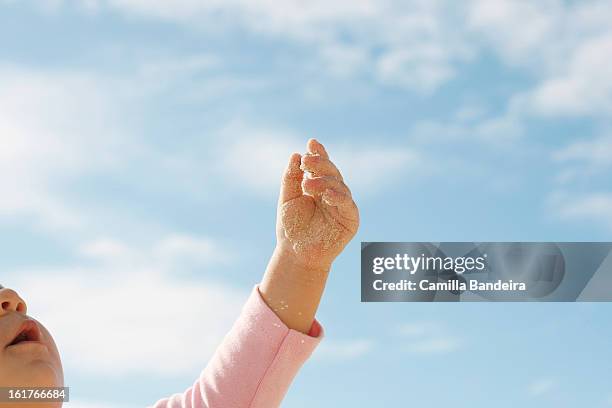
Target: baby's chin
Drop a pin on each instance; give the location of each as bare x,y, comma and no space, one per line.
35,374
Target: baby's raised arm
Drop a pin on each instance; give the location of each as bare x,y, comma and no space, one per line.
277,331
316,219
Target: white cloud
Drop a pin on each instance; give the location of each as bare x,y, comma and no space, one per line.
412,44
584,158
368,169
427,338
255,157
106,249
166,252
524,33
423,68
344,60
585,86
198,249
127,315
563,45
592,152
46,149
418,44
472,124
59,127
415,44
293,18
52,126
580,160
542,386
595,207
341,350
497,24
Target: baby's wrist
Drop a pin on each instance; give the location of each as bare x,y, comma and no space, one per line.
293,289
299,272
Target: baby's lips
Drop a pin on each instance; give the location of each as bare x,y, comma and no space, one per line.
27,331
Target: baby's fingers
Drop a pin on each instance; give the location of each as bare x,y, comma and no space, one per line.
314,147
317,185
318,165
347,209
292,178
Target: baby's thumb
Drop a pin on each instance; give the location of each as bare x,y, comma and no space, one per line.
291,186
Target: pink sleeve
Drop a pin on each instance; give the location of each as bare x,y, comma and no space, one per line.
254,365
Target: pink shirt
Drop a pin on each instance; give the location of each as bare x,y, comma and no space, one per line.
254,365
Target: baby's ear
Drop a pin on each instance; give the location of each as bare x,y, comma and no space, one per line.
291,186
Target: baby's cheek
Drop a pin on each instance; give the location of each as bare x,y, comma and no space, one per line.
48,339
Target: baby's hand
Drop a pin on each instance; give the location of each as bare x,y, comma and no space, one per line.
316,219
317,216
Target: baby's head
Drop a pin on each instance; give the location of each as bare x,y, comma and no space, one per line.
28,354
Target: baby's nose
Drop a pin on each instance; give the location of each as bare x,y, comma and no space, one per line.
11,302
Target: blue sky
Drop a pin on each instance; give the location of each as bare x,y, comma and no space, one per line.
142,145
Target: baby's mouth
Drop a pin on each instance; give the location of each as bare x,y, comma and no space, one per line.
28,333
